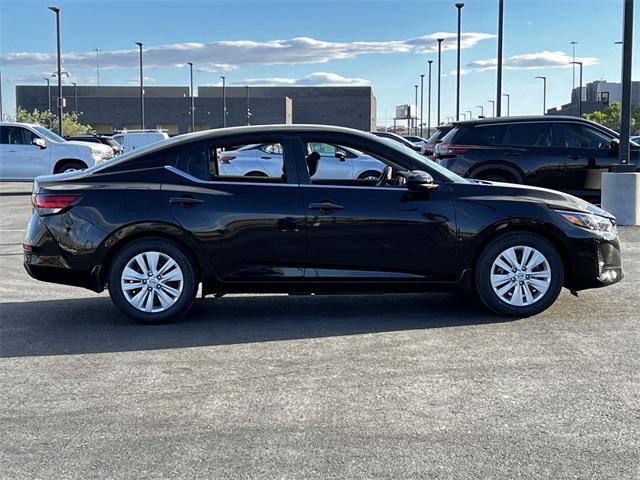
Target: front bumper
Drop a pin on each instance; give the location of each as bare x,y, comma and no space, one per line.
597,263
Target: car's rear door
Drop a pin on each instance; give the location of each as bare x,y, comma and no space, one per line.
251,229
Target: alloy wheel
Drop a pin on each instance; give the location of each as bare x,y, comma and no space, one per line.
520,275
152,282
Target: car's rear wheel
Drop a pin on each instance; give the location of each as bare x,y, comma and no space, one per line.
70,166
519,275
152,281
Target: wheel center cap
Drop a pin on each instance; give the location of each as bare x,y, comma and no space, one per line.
520,276
153,282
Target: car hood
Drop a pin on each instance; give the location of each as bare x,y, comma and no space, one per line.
552,198
91,145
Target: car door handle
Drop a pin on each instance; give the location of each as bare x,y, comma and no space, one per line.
186,202
266,158
325,206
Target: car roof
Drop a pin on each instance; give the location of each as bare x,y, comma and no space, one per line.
19,124
525,118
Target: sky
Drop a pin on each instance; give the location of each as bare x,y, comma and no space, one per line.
385,44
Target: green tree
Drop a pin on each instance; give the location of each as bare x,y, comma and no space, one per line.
70,123
610,118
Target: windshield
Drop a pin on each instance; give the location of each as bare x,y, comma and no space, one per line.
448,174
48,134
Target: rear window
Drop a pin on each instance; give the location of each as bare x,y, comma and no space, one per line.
438,134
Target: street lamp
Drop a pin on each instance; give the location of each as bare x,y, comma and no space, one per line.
141,88
75,96
459,6
224,101
429,101
579,89
246,101
470,114
464,116
508,103
440,40
415,122
56,10
481,110
493,107
193,118
421,102
544,94
499,60
573,48
98,64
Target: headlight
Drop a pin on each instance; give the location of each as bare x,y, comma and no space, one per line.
595,223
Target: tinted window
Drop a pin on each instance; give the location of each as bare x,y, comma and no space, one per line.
17,136
194,160
272,148
573,135
489,134
530,135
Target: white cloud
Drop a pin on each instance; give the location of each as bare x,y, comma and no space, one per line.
544,59
226,55
317,78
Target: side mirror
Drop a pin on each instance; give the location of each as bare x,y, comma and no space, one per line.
341,156
614,145
420,181
39,142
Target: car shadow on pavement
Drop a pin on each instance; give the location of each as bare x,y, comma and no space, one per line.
92,325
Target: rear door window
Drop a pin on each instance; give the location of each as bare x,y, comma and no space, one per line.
488,135
530,135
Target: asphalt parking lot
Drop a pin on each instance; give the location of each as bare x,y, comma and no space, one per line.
272,386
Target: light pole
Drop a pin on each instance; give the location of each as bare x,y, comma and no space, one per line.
141,88
579,89
544,94
246,101
421,102
415,121
98,65
464,116
429,101
508,103
193,118
624,151
75,96
48,97
56,10
224,101
440,40
573,48
499,61
493,107
481,110
459,6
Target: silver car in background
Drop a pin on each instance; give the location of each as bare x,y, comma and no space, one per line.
265,160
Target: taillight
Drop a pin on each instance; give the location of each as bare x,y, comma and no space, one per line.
226,159
52,204
448,149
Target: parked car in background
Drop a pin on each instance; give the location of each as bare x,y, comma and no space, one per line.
265,160
429,147
28,150
133,139
418,227
559,152
397,138
636,140
415,140
103,139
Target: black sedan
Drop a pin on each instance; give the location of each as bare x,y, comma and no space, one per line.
156,223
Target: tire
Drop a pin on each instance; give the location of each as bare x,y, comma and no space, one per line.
166,305
70,166
519,293
369,175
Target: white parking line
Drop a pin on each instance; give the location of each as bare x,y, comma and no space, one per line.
12,230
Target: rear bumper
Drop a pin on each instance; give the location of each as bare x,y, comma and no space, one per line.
52,254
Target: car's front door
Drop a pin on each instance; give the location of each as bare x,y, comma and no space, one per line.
359,231
22,159
251,229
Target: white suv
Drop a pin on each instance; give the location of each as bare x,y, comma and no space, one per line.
28,150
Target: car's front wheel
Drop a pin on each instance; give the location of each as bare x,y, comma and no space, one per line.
519,274
152,281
